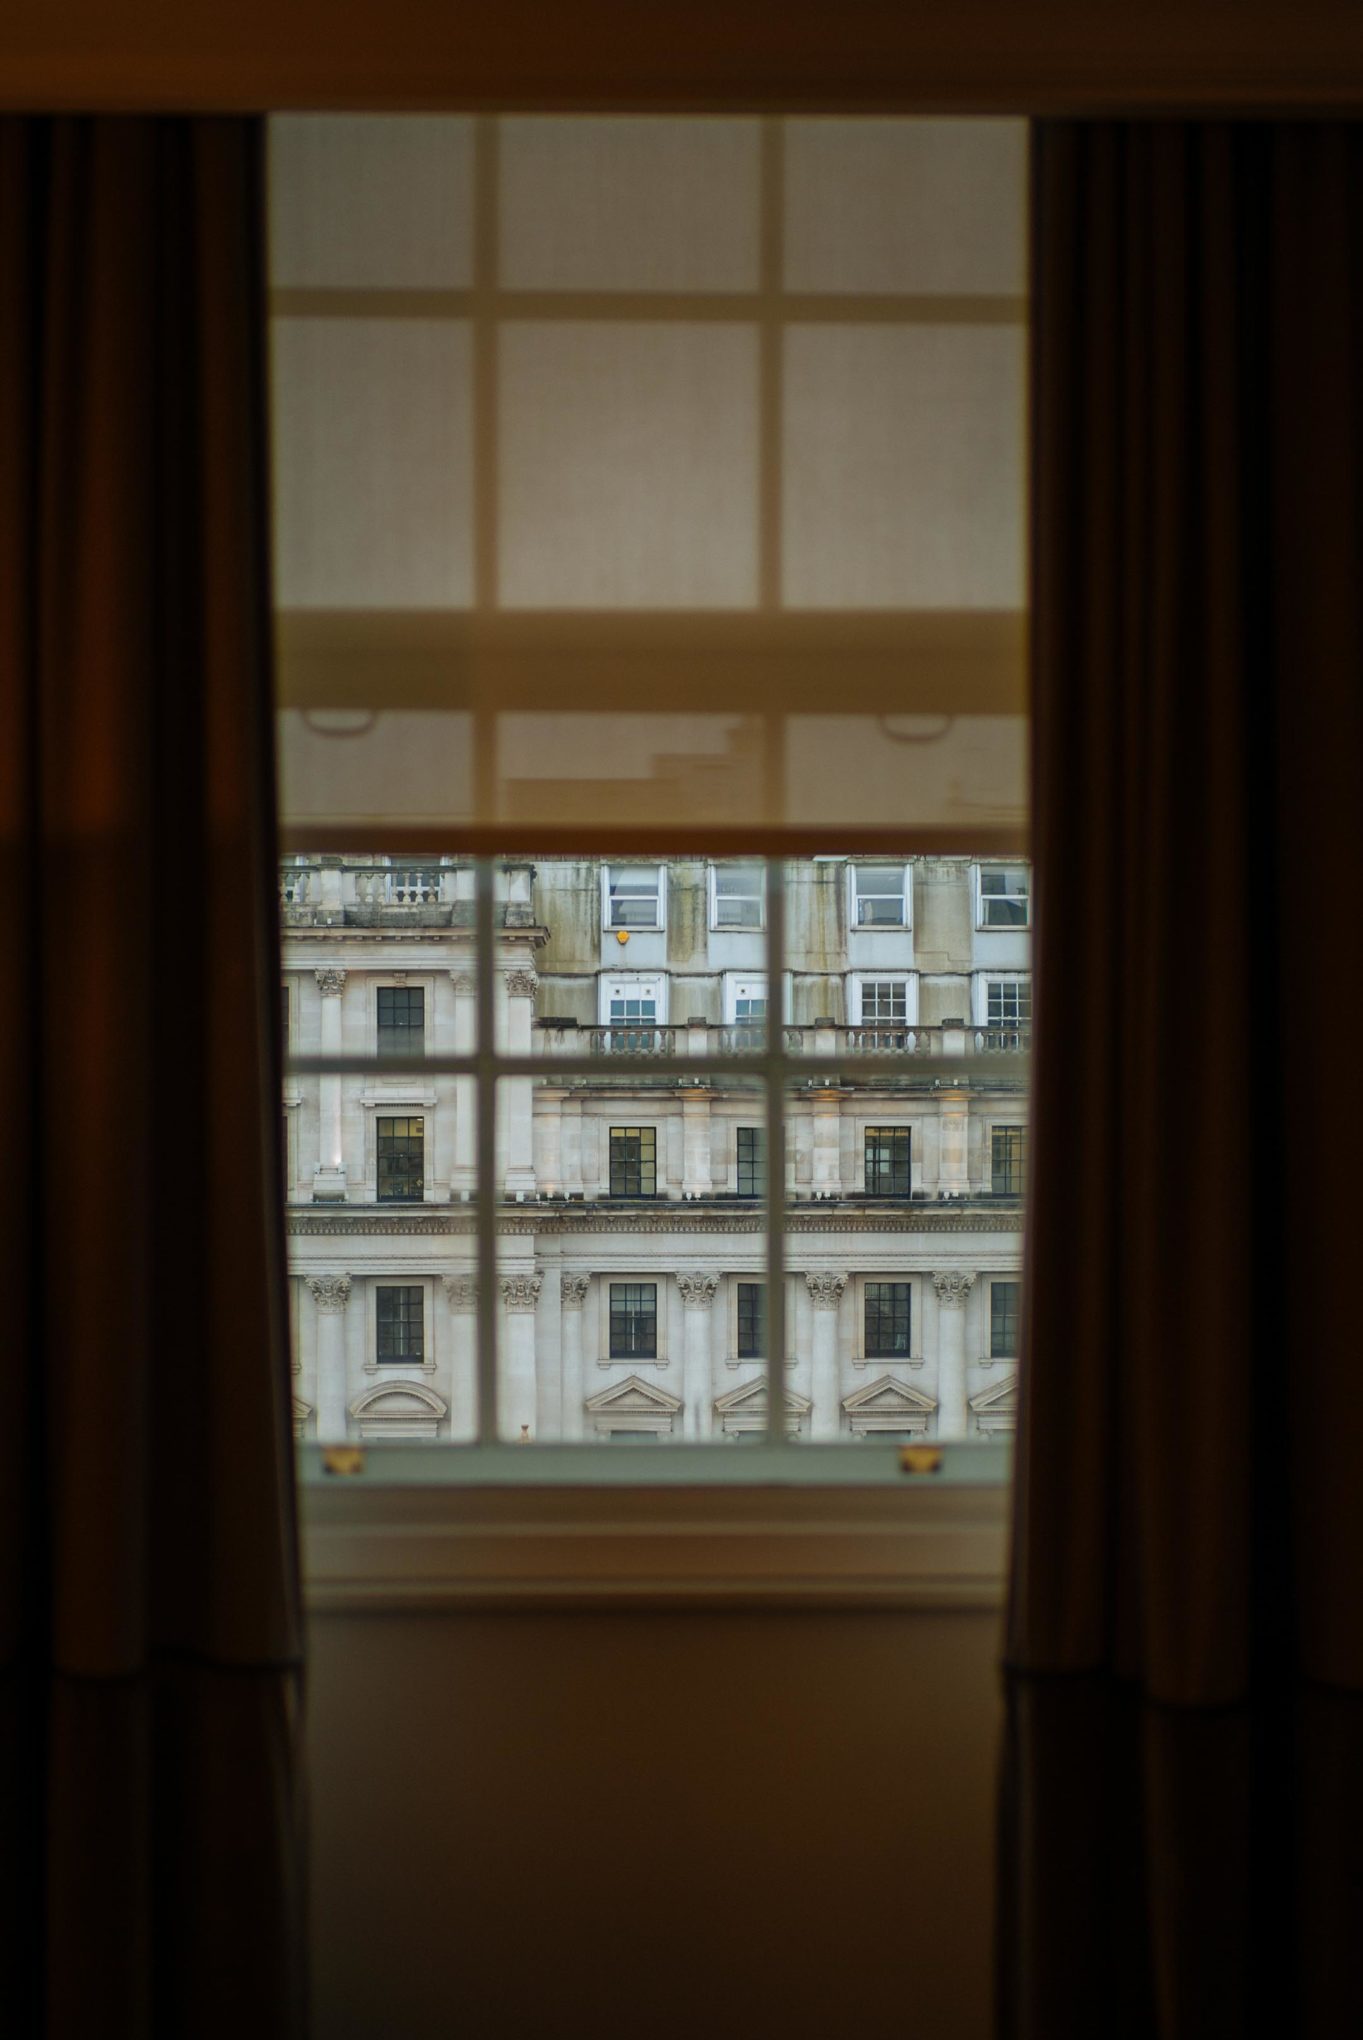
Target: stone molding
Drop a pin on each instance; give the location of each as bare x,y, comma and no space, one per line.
549,1223
521,1292
461,1291
522,984
330,983
573,1290
825,1291
697,1290
953,1288
331,1293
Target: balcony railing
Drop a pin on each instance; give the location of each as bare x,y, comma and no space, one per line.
629,1041
557,1036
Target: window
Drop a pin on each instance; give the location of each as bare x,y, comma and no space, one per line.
401,1020
1006,1160
1005,896
633,1320
888,1162
752,1320
401,1326
880,895
882,1002
634,1161
634,895
736,896
401,1160
745,999
752,1161
1003,1320
1008,1009
887,1320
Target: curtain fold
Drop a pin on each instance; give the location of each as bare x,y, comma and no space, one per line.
1180,1848
150,1877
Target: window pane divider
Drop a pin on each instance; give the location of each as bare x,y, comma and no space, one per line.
485,1209
775,1060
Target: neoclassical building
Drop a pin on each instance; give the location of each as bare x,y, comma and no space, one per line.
631,1291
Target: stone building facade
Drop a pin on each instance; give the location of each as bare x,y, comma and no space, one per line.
630,1223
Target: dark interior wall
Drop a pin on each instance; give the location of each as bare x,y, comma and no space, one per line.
665,1824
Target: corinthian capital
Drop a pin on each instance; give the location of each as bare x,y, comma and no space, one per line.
464,984
461,1291
522,984
521,1292
825,1291
953,1288
330,983
698,1290
573,1290
329,1292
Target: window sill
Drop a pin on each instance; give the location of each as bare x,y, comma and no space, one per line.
587,1526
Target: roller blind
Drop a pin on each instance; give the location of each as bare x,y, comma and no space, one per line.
646,480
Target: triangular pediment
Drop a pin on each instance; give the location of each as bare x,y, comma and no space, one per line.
751,1398
1001,1399
399,1400
634,1398
888,1397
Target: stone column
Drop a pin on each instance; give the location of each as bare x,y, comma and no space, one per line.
328,1183
953,1112
461,1292
953,1290
517,1393
572,1297
521,986
696,1143
547,1105
825,1294
464,1172
827,1170
331,1294
697,1295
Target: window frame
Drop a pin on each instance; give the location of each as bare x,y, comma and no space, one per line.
624,1279
396,1369
855,925
893,1131
1004,1280
395,1113
639,1130
858,980
658,926
717,927
987,927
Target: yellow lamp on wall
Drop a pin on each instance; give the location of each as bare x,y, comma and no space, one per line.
622,936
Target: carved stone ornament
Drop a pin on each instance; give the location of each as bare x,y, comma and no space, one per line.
464,983
697,1291
825,1291
953,1289
521,1292
522,984
573,1290
330,983
330,1292
461,1291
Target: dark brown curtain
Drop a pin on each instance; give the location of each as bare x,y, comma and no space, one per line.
149,1630
1183,1806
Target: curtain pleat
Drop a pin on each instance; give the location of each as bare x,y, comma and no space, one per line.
149,1613
1185,1641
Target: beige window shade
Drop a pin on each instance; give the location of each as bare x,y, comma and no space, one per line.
650,480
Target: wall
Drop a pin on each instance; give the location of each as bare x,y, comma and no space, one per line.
679,1825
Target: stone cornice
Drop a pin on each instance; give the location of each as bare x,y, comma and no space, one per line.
550,1223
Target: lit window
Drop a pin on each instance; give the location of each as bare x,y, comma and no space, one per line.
888,1161
880,895
887,1320
634,896
752,1161
752,1320
1003,1320
401,1020
400,1323
401,1160
736,895
1006,1160
633,1320
634,1161
1005,896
